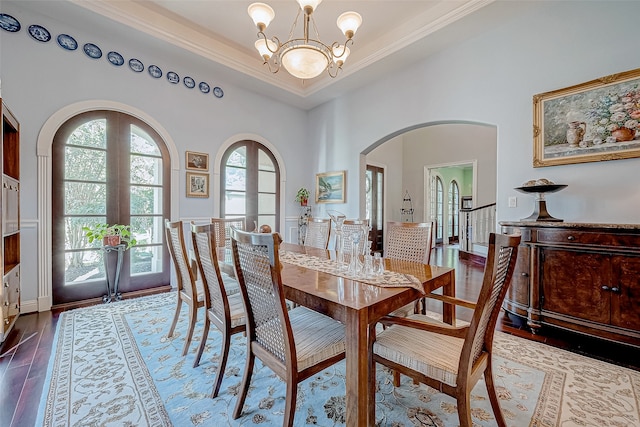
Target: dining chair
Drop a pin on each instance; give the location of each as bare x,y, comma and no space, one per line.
190,290
409,241
317,234
296,344
225,311
452,358
223,233
351,226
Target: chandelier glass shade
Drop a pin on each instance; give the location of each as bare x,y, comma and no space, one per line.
304,57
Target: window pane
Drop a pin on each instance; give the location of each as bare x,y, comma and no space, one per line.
147,230
234,204
235,178
266,204
90,134
266,182
142,143
146,170
264,162
80,266
146,259
146,200
74,237
85,165
270,220
238,158
83,198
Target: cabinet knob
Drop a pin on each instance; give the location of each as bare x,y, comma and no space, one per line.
615,289
571,237
605,288
524,274
6,303
6,285
6,321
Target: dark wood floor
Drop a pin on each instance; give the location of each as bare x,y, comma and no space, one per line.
23,368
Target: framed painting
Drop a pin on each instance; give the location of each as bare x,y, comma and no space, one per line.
197,161
197,184
590,122
330,187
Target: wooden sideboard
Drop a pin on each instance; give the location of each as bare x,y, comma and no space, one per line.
578,276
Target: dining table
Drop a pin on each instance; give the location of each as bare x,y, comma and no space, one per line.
359,305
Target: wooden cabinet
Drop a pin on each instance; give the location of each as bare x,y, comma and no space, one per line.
10,221
581,277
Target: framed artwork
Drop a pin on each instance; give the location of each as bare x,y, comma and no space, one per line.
589,122
197,184
330,187
197,161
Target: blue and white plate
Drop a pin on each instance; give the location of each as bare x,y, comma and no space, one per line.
39,33
67,42
115,58
204,87
173,77
92,50
218,92
155,71
189,82
136,65
9,23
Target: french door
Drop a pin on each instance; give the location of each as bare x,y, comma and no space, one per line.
375,205
108,167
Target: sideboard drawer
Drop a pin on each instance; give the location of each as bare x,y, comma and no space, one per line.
589,238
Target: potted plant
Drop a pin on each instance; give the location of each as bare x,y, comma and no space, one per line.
302,196
110,235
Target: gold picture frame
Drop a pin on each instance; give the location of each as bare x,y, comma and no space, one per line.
331,187
197,184
589,122
197,161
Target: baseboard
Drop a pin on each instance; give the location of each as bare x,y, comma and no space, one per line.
95,301
475,258
28,306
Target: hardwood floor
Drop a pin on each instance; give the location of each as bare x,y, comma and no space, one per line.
23,368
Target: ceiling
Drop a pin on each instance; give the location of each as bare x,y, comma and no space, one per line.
393,34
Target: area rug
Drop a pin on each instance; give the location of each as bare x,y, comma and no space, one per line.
113,365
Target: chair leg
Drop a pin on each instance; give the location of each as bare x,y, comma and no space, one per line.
246,380
203,342
396,378
464,408
290,403
175,317
193,314
222,363
493,396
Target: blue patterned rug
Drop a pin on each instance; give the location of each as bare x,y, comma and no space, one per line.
113,365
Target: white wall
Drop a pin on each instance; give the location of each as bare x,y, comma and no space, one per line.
39,79
531,48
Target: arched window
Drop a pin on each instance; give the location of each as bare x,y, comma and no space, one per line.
454,205
250,184
108,167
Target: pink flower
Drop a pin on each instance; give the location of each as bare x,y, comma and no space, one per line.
635,114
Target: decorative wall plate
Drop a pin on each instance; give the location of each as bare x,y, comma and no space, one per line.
218,92
115,58
204,87
67,42
155,71
92,50
189,82
173,77
9,23
136,65
39,33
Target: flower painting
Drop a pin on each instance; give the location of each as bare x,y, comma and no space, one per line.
594,121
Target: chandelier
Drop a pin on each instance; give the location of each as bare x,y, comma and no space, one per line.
306,57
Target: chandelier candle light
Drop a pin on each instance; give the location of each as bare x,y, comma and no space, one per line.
306,57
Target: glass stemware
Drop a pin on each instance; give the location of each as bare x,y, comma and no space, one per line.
338,218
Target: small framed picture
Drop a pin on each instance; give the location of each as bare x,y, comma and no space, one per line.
197,184
330,187
197,161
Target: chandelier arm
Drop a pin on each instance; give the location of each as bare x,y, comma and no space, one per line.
337,67
344,48
274,39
